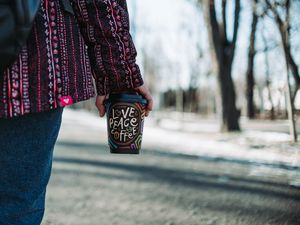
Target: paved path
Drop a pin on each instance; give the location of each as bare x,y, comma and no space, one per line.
90,186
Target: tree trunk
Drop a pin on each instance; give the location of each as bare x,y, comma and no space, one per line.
250,69
293,67
230,114
179,100
223,54
290,109
284,29
272,110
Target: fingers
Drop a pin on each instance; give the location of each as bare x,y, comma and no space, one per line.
143,90
100,105
149,106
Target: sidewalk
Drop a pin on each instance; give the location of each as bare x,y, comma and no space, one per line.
260,142
184,176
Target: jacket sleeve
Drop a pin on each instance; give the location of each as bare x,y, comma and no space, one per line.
104,25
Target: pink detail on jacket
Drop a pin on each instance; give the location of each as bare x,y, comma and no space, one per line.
66,100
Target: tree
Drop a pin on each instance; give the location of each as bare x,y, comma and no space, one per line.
268,78
223,50
250,68
284,27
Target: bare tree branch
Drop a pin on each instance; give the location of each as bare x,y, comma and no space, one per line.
224,21
250,68
223,52
284,32
288,17
267,48
212,18
235,27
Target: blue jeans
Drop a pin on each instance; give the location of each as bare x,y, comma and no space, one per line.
26,150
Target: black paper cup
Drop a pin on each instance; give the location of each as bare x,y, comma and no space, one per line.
125,122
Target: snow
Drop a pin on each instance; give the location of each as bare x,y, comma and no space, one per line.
83,118
242,147
200,138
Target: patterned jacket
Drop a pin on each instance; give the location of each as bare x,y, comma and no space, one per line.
63,53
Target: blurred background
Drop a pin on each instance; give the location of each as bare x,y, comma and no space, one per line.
220,146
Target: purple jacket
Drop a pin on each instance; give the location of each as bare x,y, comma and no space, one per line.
64,52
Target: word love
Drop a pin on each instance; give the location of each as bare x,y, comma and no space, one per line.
124,123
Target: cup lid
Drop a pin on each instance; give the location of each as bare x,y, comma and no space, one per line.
131,98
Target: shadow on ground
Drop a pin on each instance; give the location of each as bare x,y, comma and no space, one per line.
198,180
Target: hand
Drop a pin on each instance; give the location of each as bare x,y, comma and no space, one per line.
142,90
100,104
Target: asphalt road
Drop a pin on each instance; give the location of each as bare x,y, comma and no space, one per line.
90,186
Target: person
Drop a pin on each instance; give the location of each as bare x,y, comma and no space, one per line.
65,50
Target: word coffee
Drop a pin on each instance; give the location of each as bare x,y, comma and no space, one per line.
123,123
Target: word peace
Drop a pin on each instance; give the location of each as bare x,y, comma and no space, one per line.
123,123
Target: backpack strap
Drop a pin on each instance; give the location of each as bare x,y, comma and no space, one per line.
67,6
16,20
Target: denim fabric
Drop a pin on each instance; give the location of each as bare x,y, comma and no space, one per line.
26,150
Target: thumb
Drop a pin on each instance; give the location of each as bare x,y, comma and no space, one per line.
100,104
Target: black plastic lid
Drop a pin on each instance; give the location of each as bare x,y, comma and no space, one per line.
131,98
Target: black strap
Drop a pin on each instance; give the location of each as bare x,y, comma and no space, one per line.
67,6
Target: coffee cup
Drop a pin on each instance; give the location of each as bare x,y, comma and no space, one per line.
125,121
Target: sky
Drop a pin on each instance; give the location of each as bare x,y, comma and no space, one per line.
171,30
173,33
